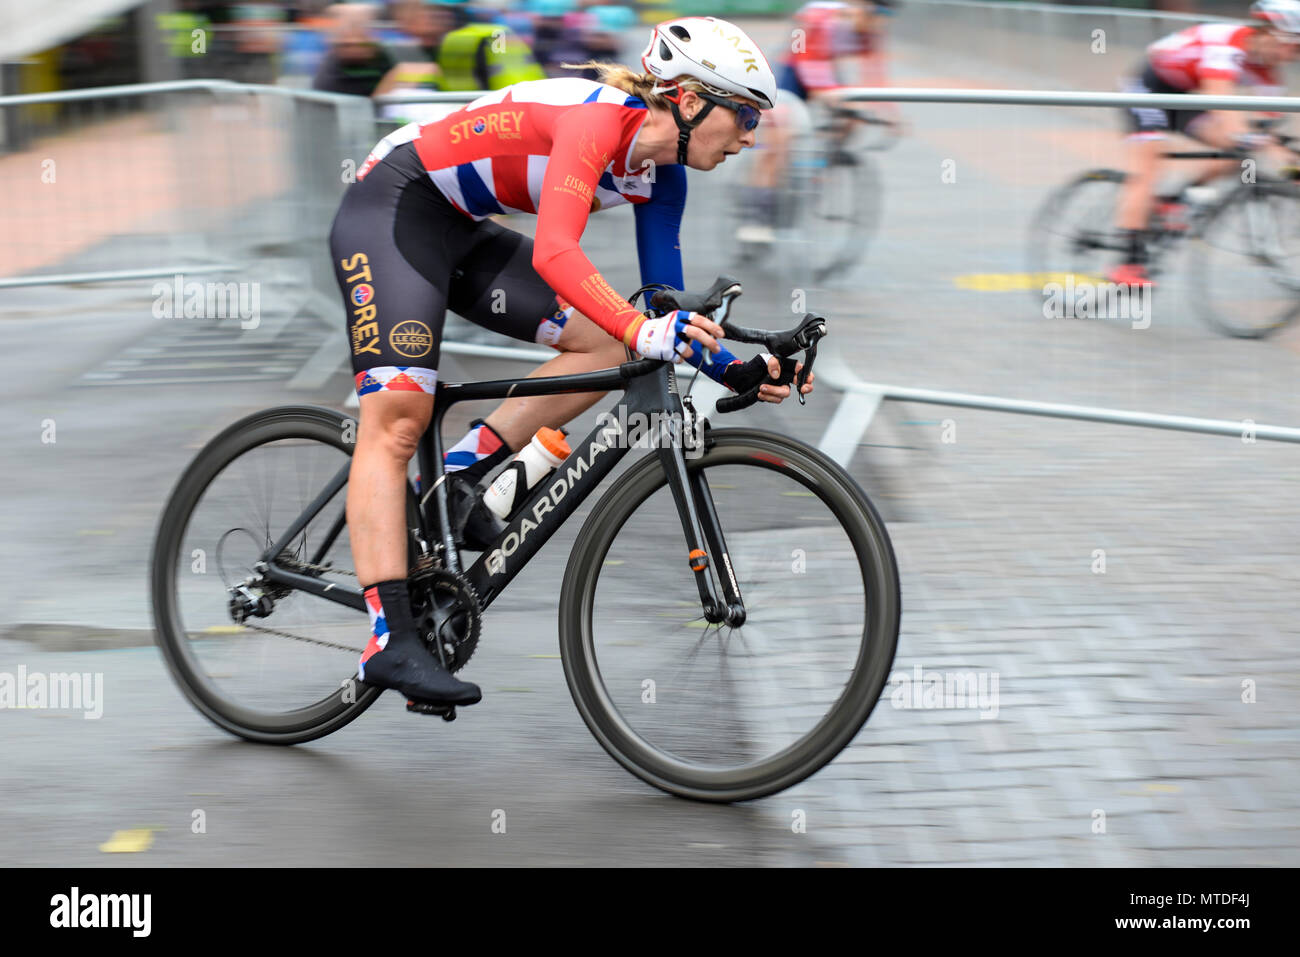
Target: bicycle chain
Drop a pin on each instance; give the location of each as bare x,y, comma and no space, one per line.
298,565
308,566
313,641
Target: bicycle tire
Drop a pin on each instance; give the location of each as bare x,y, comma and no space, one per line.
850,711
863,196
1046,262
333,711
1208,304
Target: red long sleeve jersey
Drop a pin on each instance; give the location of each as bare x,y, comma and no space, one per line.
558,148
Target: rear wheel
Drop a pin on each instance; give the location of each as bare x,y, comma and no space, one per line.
284,676
1073,238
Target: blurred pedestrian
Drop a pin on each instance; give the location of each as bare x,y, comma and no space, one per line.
356,62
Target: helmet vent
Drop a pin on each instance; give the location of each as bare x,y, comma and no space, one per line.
680,32
665,53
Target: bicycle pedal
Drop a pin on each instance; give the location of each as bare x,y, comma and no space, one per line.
446,711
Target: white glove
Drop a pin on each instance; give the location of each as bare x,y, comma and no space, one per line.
661,337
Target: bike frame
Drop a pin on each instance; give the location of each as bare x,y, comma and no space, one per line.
649,388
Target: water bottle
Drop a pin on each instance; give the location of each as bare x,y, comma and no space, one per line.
535,461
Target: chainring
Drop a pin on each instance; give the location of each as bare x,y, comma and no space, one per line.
445,605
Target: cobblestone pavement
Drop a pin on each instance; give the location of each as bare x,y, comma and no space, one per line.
1145,713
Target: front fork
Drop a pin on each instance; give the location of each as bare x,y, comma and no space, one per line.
704,539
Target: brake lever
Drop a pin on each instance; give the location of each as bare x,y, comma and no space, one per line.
809,357
810,333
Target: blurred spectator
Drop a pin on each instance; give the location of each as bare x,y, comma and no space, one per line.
574,31
485,56
356,62
415,44
558,36
420,27
606,24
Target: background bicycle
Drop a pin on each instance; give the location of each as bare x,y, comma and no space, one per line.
1244,265
829,201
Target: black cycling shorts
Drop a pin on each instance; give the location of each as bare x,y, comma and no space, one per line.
1149,121
403,256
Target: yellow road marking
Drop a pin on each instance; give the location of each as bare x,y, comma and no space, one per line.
128,842
1012,281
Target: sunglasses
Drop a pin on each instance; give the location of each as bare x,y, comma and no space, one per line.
747,117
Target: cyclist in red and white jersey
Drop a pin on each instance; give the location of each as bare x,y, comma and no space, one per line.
414,237
834,45
1214,59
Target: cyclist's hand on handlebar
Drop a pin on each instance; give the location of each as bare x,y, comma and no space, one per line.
779,393
773,374
675,335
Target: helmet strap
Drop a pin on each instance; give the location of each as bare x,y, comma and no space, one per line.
685,126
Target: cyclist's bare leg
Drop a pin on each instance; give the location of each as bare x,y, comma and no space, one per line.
585,347
769,164
1144,161
1213,130
389,429
396,657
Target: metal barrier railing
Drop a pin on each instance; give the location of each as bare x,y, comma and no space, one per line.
151,180
1082,47
305,137
1163,101
862,399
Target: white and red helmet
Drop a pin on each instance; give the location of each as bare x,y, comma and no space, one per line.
718,54
1283,15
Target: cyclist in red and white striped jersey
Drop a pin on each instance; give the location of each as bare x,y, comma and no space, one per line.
1212,59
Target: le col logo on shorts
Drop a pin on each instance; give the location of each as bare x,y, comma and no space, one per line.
411,338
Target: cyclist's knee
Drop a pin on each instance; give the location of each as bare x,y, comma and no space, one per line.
392,423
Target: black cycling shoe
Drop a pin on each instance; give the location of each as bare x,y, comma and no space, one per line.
473,524
407,665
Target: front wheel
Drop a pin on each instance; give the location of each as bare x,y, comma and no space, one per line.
709,712
1246,260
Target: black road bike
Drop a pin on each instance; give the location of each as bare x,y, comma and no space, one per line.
1244,269
727,619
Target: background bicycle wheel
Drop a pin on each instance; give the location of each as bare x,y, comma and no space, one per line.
1246,261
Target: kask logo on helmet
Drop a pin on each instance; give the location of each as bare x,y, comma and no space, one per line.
750,64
